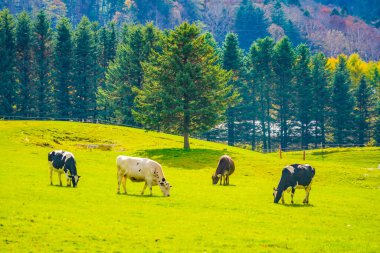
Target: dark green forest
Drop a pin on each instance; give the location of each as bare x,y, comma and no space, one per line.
181,81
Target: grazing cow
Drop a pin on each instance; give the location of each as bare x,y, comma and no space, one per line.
141,170
225,168
294,176
63,162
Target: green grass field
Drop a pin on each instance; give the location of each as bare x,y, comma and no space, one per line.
343,215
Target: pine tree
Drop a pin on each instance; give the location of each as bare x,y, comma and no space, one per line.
42,51
303,85
342,103
125,73
249,104
362,111
261,55
320,97
279,18
8,86
184,91
63,69
283,64
24,68
85,70
250,24
377,124
232,58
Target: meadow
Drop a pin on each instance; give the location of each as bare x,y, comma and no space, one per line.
343,215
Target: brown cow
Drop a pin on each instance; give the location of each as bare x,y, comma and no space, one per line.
225,168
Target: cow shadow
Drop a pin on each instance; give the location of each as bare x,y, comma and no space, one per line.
192,159
137,195
297,205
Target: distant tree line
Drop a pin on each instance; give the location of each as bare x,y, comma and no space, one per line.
180,81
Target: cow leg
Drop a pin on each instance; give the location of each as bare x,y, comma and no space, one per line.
293,190
150,188
282,198
306,200
124,181
59,177
228,180
119,181
143,190
68,181
51,176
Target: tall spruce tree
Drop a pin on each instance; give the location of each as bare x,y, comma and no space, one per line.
63,69
283,96
42,51
24,66
85,70
250,24
342,103
184,91
232,60
321,97
8,85
261,55
249,105
362,111
303,85
125,73
377,124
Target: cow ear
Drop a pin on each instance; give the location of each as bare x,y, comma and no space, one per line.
78,176
274,188
219,175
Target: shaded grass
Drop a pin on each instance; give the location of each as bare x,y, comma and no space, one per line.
198,217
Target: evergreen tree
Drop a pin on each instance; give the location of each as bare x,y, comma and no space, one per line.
283,63
42,51
303,83
377,124
85,70
250,24
249,105
232,58
7,63
125,73
342,103
184,91
63,69
321,97
279,18
24,67
261,55
362,111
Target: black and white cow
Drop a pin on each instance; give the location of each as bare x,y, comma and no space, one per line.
294,176
225,168
63,162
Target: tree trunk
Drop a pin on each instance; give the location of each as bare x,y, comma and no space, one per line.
186,143
231,126
253,140
186,125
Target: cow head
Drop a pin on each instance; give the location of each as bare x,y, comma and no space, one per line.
75,180
165,187
276,195
51,156
215,178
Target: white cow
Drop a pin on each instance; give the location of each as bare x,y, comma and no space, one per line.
141,170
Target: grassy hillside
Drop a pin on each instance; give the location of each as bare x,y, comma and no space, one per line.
344,214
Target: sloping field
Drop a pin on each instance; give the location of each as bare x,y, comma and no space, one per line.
344,214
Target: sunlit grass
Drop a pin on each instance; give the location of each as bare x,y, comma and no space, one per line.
344,214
